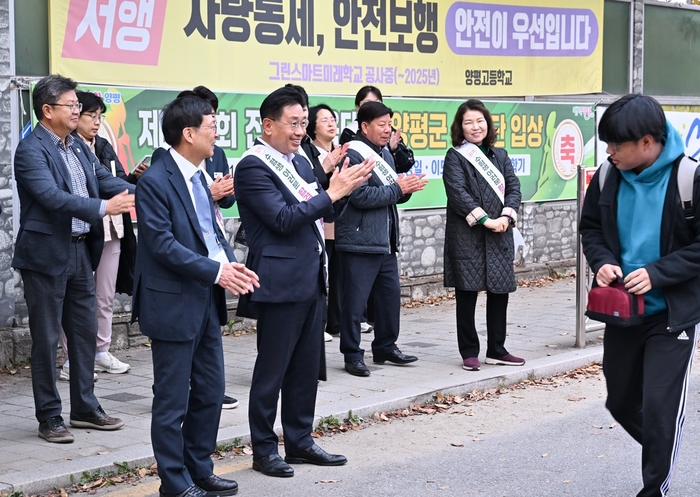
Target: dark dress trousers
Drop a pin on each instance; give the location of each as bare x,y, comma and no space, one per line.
367,240
181,309
286,252
57,273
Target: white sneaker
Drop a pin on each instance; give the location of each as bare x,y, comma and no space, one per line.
64,375
110,364
366,328
327,337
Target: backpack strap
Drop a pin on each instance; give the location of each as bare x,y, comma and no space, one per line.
602,173
686,180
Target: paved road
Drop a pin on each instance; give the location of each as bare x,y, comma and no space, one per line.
545,440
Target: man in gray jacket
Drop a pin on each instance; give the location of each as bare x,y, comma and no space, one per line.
367,240
64,193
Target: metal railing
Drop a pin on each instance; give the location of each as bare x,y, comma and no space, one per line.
584,275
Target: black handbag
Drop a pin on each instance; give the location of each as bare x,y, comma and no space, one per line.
127,258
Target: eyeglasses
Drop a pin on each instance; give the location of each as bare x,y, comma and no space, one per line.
98,118
212,127
73,106
294,125
327,120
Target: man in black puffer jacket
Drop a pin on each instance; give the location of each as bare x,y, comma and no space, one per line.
367,240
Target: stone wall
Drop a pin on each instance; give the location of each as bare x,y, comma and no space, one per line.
548,229
7,277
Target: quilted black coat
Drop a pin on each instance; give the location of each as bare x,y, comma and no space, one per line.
476,258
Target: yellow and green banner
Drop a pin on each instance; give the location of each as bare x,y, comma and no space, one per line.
333,47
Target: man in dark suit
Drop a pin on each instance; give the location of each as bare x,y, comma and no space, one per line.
281,203
62,188
183,266
219,181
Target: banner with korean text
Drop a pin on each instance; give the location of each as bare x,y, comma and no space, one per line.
545,141
333,47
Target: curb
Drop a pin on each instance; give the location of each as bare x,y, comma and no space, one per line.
48,477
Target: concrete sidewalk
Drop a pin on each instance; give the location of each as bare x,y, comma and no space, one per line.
541,328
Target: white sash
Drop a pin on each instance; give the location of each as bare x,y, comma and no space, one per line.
383,170
494,178
285,171
301,190
485,167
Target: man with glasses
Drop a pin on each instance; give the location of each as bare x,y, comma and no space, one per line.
634,228
281,206
61,186
183,267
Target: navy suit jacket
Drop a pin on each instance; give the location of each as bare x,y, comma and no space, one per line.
217,163
174,276
47,203
280,231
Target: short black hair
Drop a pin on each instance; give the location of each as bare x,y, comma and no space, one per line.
632,117
91,102
204,93
181,113
313,113
366,90
456,132
372,110
274,104
301,91
49,90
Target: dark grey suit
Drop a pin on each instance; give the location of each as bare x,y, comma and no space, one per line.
57,272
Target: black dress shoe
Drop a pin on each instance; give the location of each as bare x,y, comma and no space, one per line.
315,455
356,368
218,486
193,491
395,356
272,465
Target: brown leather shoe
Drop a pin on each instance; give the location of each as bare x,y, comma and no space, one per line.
96,419
54,430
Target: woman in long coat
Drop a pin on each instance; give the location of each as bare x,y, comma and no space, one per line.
479,234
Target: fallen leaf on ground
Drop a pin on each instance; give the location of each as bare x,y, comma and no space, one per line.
456,444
